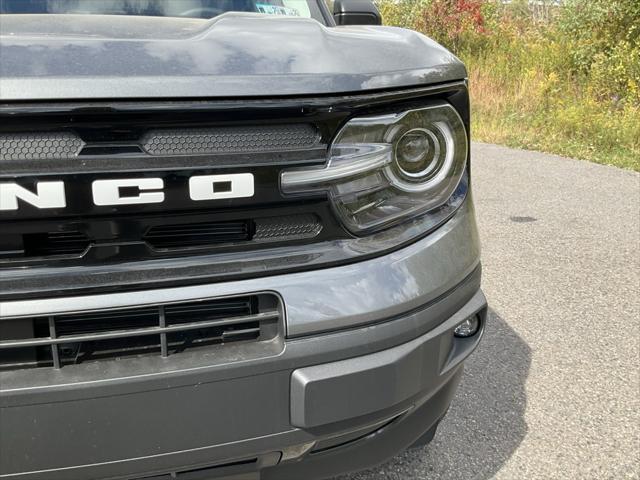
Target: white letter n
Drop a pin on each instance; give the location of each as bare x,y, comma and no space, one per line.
48,195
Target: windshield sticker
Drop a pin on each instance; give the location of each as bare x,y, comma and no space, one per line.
276,10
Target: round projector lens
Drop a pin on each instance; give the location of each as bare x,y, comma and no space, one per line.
416,153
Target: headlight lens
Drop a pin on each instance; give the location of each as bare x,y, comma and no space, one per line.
385,169
417,152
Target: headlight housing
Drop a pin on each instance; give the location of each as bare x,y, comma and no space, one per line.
385,169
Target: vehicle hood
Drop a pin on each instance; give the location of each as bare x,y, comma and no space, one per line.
74,57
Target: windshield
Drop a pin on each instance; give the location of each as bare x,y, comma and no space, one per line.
164,8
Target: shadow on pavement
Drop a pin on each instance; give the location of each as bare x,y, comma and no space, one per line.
486,421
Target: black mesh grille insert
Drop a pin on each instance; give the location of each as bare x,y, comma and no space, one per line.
37,146
287,227
160,329
230,139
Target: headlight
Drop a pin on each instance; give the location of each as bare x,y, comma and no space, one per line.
385,169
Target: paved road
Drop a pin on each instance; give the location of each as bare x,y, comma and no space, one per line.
554,390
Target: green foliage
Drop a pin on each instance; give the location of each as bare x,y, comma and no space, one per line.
402,13
561,79
596,27
615,75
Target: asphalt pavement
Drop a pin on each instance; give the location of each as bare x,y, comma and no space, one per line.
553,392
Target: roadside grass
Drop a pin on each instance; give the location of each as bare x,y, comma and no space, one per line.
563,80
535,112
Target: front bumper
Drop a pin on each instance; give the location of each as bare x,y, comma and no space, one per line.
369,364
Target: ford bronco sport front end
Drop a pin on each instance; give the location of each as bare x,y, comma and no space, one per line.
238,241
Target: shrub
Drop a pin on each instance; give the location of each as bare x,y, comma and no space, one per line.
454,23
562,79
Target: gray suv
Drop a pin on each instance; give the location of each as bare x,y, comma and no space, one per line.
238,239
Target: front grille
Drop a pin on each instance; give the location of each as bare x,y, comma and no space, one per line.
84,234
175,141
165,330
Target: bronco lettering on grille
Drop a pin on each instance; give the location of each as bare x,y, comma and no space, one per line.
128,191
